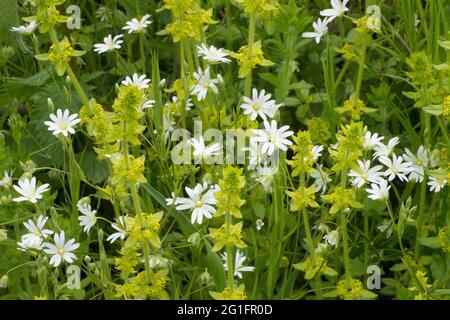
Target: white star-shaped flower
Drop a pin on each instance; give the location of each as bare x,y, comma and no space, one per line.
136,26
203,152
338,9
436,184
273,137
260,104
60,250
212,54
26,29
396,167
320,29
87,218
364,173
203,83
109,44
37,232
379,191
140,81
62,122
121,230
238,264
418,162
201,200
28,191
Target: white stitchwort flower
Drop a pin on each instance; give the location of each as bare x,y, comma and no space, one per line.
338,9
320,29
379,191
103,13
173,200
60,250
147,104
396,167
332,237
37,232
62,122
203,83
238,264
109,44
418,163
321,179
203,152
317,152
212,54
88,218
135,25
436,184
364,173
6,180
121,232
140,81
273,138
3,234
26,29
260,104
259,224
371,140
387,227
265,176
28,191
201,200
255,155
383,150
26,246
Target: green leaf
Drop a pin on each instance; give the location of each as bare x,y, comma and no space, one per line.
96,170
9,18
214,262
445,44
431,242
435,109
186,227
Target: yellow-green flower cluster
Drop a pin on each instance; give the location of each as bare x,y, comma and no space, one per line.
342,199
188,20
315,266
303,159
227,294
355,291
303,197
59,55
349,146
444,240
47,16
265,9
249,58
140,284
228,197
139,288
319,130
355,108
421,68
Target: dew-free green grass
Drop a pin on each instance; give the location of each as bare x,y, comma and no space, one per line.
224,149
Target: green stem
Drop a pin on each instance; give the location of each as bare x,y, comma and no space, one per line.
137,207
251,39
71,74
345,235
346,250
420,218
142,52
229,257
362,63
